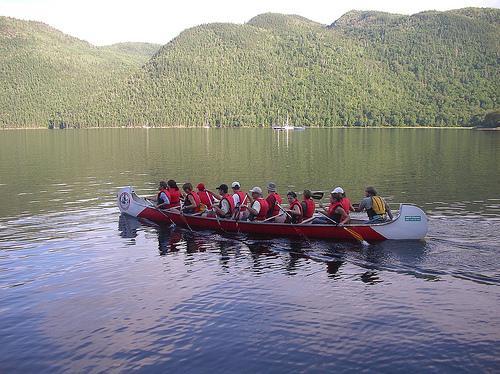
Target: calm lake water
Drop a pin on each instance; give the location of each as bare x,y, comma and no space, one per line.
85,289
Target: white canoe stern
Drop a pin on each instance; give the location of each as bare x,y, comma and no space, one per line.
410,224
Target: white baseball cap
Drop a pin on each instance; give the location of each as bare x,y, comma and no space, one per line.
338,190
235,184
256,190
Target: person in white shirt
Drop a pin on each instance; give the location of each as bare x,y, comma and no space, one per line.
226,205
241,200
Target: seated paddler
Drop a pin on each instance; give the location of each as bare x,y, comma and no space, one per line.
192,202
376,207
294,210
175,194
259,207
163,197
274,201
225,208
205,196
308,206
240,201
335,213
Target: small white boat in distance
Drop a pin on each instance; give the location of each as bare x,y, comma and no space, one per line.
287,127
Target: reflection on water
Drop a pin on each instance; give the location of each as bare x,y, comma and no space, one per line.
404,257
86,289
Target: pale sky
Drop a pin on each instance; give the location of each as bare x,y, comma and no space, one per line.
104,22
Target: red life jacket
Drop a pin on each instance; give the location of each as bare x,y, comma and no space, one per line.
175,197
243,197
296,219
197,201
165,191
205,198
230,200
264,208
346,204
331,211
309,208
273,199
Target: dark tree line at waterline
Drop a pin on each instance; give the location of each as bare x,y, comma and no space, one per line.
366,69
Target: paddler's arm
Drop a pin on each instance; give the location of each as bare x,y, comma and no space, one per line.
217,196
294,212
253,211
388,210
192,205
343,215
218,210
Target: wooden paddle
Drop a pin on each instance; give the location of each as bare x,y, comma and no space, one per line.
353,233
270,218
184,218
293,225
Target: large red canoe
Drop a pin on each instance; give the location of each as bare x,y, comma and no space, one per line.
409,224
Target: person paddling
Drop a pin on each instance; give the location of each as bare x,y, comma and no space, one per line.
274,201
335,212
205,196
163,197
344,201
175,194
226,204
259,207
295,208
375,206
240,201
308,205
192,202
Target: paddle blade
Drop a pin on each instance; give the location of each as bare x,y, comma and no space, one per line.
317,195
357,236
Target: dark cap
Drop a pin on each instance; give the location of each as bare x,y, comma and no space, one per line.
223,187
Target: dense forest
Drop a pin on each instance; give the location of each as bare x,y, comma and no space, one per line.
365,69
45,74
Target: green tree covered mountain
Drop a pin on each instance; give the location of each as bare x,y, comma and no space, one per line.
44,72
365,69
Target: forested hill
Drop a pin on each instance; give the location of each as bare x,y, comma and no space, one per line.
144,51
365,69
44,72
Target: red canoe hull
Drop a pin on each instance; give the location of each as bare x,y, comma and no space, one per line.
265,229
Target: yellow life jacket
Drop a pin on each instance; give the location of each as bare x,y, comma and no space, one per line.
378,205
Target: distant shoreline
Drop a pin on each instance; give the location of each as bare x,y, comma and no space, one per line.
256,127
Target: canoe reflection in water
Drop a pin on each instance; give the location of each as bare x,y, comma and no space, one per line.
293,255
128,226
234,249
